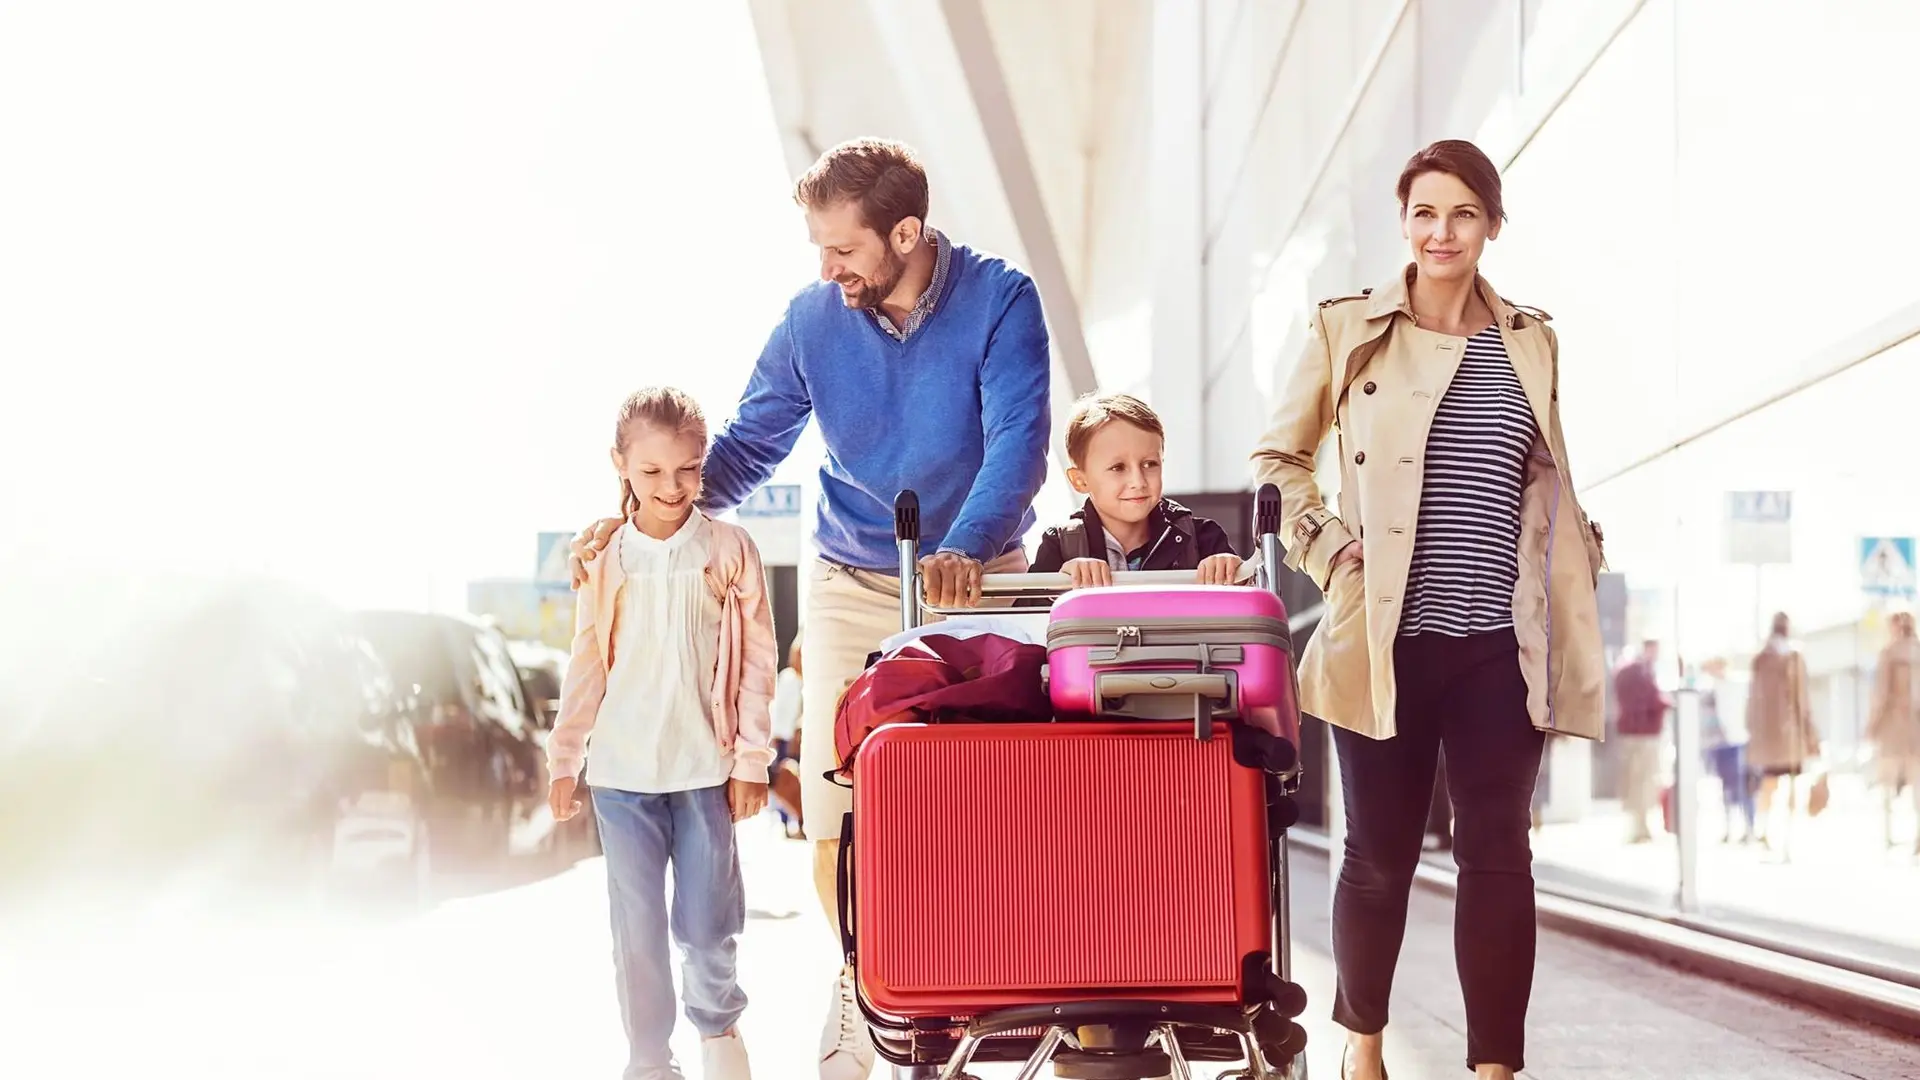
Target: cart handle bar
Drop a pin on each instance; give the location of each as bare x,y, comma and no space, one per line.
913,600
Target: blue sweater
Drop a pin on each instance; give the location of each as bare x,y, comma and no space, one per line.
958,412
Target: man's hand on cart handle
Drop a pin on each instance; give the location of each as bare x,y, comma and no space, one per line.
953,580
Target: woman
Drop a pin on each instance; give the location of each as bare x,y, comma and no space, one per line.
1459,575
1780,734
1894,724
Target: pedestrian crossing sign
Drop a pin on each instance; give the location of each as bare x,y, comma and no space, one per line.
1886,566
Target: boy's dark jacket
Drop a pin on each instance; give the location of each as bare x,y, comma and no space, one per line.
1177,540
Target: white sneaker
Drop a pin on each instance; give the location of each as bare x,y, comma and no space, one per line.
846,1049
724,1058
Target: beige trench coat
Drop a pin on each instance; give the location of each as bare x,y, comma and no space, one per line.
1780,731
1893,725
1373,379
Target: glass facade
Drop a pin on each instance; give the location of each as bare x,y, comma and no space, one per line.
1712,199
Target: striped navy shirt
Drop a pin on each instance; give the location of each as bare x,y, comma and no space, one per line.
1466,545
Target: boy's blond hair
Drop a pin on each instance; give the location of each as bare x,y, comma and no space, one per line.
1096,411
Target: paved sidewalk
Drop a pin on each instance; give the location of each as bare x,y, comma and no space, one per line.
1597,1014
517,983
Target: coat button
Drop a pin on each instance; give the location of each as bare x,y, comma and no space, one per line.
1369,388
1360,458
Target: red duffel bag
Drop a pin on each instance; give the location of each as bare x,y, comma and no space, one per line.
936,677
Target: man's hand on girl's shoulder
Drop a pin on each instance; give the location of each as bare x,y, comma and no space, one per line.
592,541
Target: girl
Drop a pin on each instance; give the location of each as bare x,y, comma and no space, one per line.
671,674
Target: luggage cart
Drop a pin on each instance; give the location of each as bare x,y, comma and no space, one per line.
1132,1036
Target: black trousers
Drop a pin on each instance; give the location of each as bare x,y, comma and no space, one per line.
1466,694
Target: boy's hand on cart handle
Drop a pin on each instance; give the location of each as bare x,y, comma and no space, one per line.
560,798
953,580
592,541
746,798
1088,573
1219,569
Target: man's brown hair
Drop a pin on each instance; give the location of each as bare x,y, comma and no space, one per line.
884,178
1097,411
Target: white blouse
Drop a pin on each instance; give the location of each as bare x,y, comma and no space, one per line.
654,733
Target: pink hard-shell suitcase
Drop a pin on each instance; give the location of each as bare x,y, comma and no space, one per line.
1198,652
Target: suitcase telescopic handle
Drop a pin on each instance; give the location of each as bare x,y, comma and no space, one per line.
906,538
1266,531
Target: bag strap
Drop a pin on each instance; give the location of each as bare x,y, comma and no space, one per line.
1073,542
843,887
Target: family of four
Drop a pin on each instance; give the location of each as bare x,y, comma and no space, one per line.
925,365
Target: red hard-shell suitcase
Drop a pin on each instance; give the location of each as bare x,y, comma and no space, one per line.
1064,885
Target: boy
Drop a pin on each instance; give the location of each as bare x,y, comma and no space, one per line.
1114,443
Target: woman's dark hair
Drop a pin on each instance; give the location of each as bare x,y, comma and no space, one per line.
1458,158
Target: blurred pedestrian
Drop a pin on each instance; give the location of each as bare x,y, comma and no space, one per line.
1724,746
1893,725
1643,713
1781,739
787,704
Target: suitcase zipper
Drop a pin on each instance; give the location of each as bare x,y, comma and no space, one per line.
1069,633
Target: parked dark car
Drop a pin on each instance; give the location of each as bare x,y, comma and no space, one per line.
542,671
479,735
224,734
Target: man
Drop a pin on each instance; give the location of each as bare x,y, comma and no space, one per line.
925,364
1643,711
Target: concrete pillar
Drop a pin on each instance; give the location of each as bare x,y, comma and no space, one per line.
1177,225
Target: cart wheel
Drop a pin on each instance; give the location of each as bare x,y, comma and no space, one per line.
1288,1053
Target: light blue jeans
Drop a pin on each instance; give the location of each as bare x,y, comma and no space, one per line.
693,832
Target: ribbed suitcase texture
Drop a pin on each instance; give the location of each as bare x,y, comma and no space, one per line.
1002,864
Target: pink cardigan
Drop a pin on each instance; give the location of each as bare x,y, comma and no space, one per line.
743,674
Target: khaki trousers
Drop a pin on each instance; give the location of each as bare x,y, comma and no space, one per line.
1639,780
849,612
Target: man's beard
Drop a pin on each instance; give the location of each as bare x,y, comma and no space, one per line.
873,291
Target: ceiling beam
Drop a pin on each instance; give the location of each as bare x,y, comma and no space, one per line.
987,85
